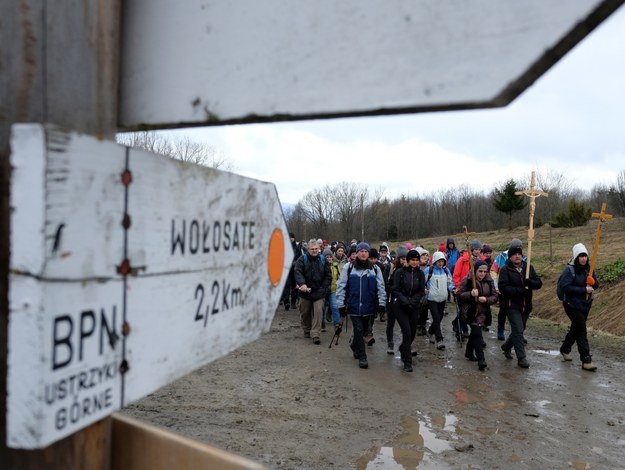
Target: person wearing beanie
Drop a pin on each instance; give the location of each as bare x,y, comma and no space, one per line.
475,305
487,253
424,262
360,294
516,301
501,260
438,284
351,253
408,290
399,262
313,279
578,285
384,259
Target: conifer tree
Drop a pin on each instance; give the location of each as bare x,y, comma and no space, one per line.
505,200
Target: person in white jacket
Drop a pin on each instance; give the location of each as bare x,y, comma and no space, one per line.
438,283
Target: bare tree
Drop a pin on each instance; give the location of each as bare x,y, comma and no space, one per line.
182,148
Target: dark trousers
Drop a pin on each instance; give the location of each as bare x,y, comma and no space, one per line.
368,324
390,322
437,310
501,320
423,314
475,344
407,320
517,321
358,342
577,334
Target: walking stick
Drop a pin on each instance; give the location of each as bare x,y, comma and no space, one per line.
337,333
532,193
603,217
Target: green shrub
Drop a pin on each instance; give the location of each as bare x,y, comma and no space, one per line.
614,271
577,215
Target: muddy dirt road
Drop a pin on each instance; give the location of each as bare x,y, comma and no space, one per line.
290,404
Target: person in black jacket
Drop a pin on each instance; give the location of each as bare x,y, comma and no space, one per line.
408,289
578,286
313,279
516,300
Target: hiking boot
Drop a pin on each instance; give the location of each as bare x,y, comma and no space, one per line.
382,317
369,340
440,345
470,357
523,363
589,366
323,328
287,306
506,351
481,365
414,353
306,334
407,367
362,363
421,331
501,335
316,341
390,348
566,356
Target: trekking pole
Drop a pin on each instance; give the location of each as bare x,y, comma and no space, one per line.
337,334
459,336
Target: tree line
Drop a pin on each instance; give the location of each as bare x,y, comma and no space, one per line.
349,210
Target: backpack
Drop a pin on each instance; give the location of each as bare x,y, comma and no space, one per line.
559,288
321,257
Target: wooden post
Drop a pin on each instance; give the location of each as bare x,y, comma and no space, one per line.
532,193
59,65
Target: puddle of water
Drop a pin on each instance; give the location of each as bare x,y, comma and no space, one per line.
415,447
487,430
548,352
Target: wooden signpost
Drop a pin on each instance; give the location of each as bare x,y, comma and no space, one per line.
128,270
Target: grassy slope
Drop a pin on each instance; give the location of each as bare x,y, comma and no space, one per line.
551,250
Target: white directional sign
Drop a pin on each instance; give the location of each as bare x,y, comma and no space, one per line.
128,270
212,61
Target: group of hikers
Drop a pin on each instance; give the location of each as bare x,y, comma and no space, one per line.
332,282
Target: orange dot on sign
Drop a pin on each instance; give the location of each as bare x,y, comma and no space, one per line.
276,256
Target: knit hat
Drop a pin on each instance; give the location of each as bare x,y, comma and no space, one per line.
412,254
327,252
352,249
422,251
383,247
516,242
487,249
363,246
513,250
441,246
437,256
408,246
479,263
291,235
373,253
339,245
475,245
579,249
402,252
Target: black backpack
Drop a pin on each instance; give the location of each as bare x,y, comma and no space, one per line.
559,289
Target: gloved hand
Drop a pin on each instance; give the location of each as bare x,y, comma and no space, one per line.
381,309
590,281
343,311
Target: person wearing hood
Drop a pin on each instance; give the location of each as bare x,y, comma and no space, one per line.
452,254
516,301
474,307
438,284
578,285
360,294
408,290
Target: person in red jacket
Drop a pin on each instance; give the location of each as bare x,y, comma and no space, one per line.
462,266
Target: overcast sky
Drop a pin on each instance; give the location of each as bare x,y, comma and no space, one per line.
572,120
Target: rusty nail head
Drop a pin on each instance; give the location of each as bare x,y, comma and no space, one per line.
123,367
124,268
126,221
125,328
126,177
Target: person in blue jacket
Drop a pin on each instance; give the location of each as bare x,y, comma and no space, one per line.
578,286
360,293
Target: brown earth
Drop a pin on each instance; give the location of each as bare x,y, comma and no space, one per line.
287,403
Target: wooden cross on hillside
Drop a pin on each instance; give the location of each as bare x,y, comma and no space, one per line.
603,217
532,193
